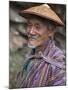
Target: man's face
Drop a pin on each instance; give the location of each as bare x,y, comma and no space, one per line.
37,33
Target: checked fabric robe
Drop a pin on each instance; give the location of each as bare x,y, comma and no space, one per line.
44,69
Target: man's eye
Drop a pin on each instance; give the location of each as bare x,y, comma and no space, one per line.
38,27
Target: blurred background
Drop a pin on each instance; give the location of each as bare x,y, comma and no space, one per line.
18,39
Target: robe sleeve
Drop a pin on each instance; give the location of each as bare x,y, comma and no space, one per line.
59,78
59,74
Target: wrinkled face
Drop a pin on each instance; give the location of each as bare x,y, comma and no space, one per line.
37,33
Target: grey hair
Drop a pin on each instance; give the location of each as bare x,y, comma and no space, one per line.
50,25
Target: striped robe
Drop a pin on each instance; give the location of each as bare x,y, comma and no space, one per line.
45,69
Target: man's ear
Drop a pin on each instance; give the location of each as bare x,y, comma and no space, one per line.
51,33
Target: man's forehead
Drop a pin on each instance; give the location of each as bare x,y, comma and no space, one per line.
34,20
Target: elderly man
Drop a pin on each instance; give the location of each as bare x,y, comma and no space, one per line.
45,66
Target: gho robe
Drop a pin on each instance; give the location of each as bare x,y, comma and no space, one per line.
44,69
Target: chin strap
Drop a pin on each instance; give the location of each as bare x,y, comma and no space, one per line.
33,51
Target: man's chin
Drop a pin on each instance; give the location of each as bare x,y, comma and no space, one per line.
31,46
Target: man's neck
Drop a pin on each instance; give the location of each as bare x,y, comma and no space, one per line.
40,48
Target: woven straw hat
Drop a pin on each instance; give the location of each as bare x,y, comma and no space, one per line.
43,11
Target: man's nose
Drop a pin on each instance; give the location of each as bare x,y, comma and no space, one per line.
32,30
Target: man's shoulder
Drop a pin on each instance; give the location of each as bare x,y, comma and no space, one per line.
57,54
54,52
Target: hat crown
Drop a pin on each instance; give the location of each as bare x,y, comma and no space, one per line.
46,5
45,12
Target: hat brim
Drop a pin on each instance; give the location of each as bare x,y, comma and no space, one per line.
41,11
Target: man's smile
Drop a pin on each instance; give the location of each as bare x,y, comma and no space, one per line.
33,37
